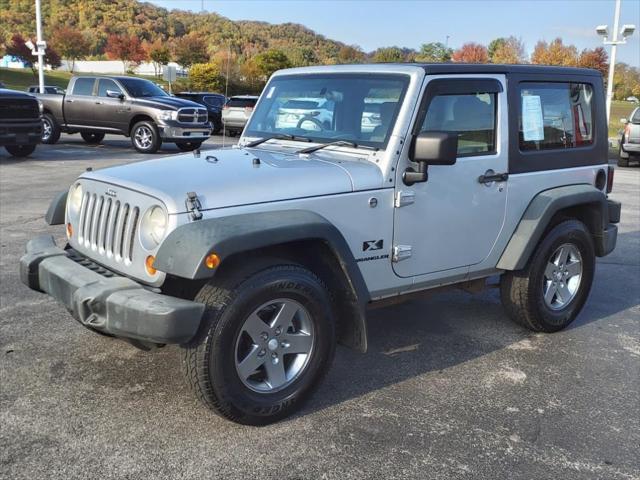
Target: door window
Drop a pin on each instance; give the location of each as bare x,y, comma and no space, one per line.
83,86
471,115
555,115
105,84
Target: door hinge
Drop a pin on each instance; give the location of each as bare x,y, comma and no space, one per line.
404,198
193,206
401,252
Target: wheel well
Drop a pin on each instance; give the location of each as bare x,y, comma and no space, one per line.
314,254
588,213
138,118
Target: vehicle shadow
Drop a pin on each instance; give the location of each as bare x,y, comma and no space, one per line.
450,328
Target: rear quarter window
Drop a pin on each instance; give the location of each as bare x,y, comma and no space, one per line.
83,86
555,116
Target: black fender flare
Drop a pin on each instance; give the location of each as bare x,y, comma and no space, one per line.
542,209
185,249
56,211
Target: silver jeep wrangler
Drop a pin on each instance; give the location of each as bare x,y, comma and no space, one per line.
351,186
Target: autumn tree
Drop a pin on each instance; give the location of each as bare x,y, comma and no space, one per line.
388,55
271,61
71,44
350,54
302,57
189,50
435,52
471,53
626,81
596,59
507,50
205,77
158,53
126,48
17,48
555,53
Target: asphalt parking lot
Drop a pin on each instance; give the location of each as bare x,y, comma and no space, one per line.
449,389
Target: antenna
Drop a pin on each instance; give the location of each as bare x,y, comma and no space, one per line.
226,91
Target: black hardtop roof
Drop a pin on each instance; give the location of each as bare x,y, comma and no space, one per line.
440,68
201,93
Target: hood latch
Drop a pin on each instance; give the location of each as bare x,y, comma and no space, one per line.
193,205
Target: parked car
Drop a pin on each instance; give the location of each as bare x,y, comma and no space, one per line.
237,112
632,99
630,139
305,113
20,122
256,260
213,102
134,107
50,89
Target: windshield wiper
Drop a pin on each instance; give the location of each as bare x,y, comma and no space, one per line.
339,143
279,136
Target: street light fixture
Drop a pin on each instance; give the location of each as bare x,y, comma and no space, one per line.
603,30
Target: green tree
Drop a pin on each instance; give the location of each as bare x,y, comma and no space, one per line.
205,77
71,43
493,46
435,52
388,55
158,53
350,54
271,61
190,49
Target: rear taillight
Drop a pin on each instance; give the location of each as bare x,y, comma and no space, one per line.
610,179
226,107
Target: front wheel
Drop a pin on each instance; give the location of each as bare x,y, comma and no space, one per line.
268,339
550,291
188,146
145,137
20,150
92,138
50,129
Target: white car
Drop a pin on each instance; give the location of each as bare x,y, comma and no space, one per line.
258,259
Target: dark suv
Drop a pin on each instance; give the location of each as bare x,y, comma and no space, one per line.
214,102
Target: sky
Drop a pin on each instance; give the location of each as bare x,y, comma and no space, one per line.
410,23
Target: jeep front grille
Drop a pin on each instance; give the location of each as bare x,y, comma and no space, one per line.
108,226
192,115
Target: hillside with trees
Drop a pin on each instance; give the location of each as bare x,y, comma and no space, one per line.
214,48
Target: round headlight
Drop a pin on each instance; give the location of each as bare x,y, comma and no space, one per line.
153,227
74,200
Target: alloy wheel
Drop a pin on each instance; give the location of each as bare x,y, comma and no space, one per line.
562,276
143,137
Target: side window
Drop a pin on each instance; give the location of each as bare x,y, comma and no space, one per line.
472,116
555,115
83,86
105,84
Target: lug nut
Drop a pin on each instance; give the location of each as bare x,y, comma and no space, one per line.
261,353
264,335
278,331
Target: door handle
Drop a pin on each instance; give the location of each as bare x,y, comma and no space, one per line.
69,100
98,103
490,176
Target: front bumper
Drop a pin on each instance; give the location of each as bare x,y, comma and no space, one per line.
110,304
20,133
175,131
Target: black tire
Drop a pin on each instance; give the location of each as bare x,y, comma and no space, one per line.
50,123
149,128
92,138
231,133
217,128
188,146
209,362
522,291
20,150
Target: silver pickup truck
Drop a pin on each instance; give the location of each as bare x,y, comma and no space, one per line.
134,107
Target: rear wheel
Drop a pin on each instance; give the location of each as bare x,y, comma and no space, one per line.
50,129
188,146
20,150
268,339
145,137
92,138
550,291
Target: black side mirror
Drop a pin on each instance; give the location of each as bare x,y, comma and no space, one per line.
430,148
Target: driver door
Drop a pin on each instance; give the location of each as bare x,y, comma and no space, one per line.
455,217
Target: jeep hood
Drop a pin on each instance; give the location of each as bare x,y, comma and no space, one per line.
233,177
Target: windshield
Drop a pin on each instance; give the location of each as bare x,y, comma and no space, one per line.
361,108
138,87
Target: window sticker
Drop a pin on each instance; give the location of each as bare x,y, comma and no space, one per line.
532,120
271,90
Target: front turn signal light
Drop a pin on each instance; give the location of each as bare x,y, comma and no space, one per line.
69,230
212,261
148,263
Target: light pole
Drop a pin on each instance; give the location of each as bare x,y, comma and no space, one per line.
625,31
39,48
